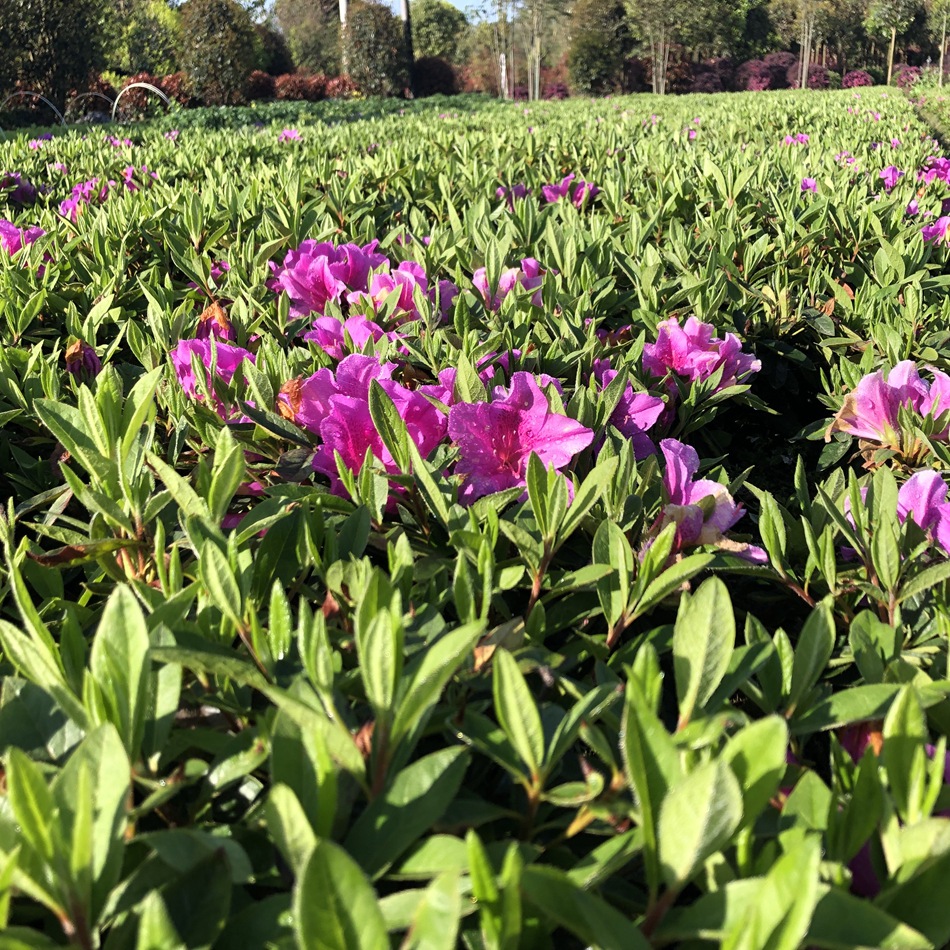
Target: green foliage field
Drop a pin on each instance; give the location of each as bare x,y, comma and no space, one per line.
251,701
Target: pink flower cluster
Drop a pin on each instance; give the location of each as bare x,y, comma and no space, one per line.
12,238
528,276
702,510
799,138
691,352
18,189
871,411
221,358
289,135
515,193
86,192
582,191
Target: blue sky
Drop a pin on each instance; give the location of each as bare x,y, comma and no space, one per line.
469,6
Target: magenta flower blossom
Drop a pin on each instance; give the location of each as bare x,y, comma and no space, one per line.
82,363
405,280
12,238
514,193
912,208
936,233
890,176
635,414
289,135
225,359
923,499
703,510
691,134
871,411
528,276
129,173
497,438
937,167
172,135
117,142
809,184
315,273
799,139
692,352
18,189
84,193
583,191
331,335
336,406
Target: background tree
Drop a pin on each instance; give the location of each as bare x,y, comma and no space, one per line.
219,48
535,22
600,40
141,36
50,46
374,49
938,13
890,18
438,29
312,28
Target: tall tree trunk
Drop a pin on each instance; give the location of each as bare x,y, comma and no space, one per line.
943,49
890,54
344,52
407,45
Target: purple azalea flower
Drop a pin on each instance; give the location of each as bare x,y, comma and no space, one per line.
404,280
937,167
18,189
870,412
936,233
82,363
799,139
923,499
583,192
225,358
809,184
890,176
331,335
702,510
289,135
692,352
12,238
528,276
214,322
514,193
554,193
315,273
336,406
172,135
636,412
496,438
912,208
84,193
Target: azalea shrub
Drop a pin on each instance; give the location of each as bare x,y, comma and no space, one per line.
462,523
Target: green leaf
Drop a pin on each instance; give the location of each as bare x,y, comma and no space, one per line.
585,915
219,581
612,548
921,902
414,801
703,640
198,901
335,907
698,817
427,678
119,664
756,756
435,924
812,652
844,922
32,803
390,425
904,756
517,713
857,704
289,827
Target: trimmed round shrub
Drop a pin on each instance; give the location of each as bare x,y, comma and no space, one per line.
375,55
906,76
219,49
434,76
260,85
291,87
177,87
555,90
856,77
754,75
817,76
340,87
